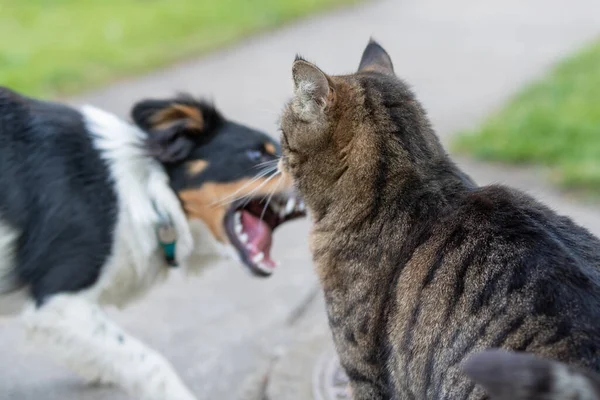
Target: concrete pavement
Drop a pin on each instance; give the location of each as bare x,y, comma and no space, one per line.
234,337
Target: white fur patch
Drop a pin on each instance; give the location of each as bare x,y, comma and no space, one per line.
79,333
8,237
136,261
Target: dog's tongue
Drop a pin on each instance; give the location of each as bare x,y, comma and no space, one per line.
259,239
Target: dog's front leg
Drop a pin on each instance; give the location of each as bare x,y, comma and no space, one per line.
83,336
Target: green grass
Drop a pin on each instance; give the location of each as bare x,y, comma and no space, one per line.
55,47
554,122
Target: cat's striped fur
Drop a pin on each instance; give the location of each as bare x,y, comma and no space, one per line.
420,266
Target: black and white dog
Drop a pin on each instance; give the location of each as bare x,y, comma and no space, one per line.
94,210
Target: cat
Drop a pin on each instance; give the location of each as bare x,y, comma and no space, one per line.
522,376
420,266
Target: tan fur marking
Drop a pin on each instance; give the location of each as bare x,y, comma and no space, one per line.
270,148
210,201
164,118
197,166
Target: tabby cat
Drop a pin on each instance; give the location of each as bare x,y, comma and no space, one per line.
420,266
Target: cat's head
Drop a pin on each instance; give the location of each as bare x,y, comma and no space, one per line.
345,138
521,376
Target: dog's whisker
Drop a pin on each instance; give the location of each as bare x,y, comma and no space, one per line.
270,162
249,199
262,214
233,195
263,184
275,189
268,169
249,194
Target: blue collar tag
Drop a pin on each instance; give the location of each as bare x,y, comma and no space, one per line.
167,237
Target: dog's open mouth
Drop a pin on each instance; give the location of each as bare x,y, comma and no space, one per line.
250,224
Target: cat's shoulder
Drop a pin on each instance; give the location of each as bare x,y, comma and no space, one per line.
502,209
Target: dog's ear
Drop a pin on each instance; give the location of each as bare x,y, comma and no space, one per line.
174,127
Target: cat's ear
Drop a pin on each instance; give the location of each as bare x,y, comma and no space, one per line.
375,58
312,90
174,126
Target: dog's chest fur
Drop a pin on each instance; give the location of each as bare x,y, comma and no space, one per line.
142,188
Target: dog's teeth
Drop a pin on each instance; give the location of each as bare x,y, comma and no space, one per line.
265,267
301,206
237,224
259,257
291,204
268,268
243,237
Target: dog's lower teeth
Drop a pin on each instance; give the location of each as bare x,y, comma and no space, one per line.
265,267
259,257
243,237
238,227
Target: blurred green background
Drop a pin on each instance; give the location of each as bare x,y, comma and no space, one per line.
554,122
53,48
57,47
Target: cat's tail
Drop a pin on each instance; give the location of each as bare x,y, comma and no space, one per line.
521,376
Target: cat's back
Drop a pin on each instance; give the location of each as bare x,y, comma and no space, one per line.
526,225
498,270
538,266
547,270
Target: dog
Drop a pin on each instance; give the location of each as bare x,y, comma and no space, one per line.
95,210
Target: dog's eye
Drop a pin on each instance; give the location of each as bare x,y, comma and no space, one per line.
254,155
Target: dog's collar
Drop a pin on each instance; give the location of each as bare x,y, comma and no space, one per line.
167,237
